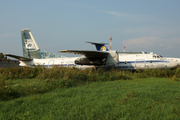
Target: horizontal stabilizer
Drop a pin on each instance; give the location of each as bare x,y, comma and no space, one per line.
86,52
19,57
94,43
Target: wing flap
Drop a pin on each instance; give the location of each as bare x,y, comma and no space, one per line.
19,57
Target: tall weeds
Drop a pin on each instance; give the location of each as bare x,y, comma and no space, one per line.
82,75
19,73
159,73
46,79
49,78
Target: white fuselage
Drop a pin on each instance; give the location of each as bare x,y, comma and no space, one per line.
49,62
144,61
126,62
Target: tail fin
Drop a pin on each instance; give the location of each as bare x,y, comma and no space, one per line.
99,46
31,49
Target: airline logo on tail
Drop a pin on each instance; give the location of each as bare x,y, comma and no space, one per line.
103,48
29,44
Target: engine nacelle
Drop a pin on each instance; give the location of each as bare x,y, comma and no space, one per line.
91,61
112,58
108,60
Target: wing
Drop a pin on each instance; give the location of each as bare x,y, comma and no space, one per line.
19,57
87,53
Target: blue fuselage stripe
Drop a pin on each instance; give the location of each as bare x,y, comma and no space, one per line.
148,61
121,62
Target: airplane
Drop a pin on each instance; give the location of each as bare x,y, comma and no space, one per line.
102,57
32,55
138,60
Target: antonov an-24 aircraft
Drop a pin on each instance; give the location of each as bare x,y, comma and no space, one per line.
102,57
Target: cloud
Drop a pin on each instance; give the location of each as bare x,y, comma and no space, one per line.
6,35
124,15
116,14
147,18
152,43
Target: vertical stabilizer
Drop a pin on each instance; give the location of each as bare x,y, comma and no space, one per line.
30,47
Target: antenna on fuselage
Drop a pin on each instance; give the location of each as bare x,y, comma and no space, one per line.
110,43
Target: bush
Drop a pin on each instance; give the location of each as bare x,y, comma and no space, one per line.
160,73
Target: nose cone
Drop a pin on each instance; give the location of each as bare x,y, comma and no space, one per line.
172,64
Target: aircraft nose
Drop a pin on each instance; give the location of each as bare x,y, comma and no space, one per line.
172,64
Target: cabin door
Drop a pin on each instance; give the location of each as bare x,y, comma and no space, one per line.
140,64
50,63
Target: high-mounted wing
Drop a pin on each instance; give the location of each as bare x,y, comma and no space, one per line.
19,57
87,53
90,57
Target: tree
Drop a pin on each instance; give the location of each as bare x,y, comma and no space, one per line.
2,56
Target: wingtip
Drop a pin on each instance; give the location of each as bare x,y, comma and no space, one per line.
63,51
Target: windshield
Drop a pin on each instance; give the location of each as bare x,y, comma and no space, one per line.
159,56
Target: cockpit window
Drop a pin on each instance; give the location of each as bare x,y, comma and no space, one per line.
159,56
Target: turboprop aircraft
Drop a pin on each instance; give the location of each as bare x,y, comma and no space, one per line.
139,60
103,57
32,55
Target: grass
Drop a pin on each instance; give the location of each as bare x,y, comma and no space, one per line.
150,98
63,93
21,83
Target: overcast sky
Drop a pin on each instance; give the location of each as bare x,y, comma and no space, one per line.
140,25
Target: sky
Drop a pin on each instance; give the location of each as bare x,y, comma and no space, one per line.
139,25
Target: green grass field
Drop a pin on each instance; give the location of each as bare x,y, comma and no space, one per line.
137,99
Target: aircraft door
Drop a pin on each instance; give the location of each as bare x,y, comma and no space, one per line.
50,63
116,58
140,64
